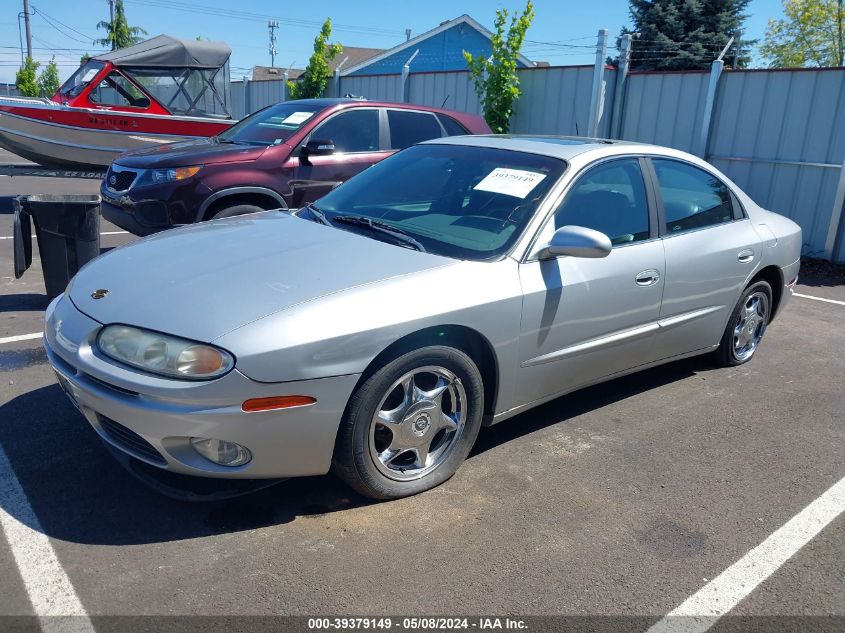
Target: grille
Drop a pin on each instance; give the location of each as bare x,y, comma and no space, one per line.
120,180
130,441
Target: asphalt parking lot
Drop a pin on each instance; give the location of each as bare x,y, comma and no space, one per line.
621,501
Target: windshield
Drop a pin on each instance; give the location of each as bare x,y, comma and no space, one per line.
456,200
271,125
74,86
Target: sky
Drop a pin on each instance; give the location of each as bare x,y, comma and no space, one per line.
563,32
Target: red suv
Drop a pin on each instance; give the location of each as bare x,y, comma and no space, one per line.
283,156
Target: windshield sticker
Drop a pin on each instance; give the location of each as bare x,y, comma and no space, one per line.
297,118
510,182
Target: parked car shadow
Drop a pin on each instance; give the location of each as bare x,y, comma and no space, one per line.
79,493
24,302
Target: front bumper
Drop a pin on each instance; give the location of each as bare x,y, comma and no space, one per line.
144,218
152,418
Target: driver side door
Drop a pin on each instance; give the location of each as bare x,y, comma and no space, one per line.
359,143
584,319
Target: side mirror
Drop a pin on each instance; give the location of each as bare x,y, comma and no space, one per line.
577,241
315,147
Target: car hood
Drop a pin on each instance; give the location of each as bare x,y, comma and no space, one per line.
205,280
183,153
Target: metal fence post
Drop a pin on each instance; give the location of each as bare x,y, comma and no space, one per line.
285,76
596,94
833,238
621,86
405,83
247,109
716,69
336,83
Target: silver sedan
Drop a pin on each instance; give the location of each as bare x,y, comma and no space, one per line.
454,285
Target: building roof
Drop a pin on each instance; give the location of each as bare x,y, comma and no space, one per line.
351,55
349,68
165,51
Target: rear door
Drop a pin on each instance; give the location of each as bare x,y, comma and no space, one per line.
409,127
584,319
711,251
360,141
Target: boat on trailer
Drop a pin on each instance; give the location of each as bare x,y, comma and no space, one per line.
162,90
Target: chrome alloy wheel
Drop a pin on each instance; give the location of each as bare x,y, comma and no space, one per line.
750,325
418,423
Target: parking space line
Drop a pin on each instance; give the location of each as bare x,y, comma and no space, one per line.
21,337
10,237
839,303
47,585
701,610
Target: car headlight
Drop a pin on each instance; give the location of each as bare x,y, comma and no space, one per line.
172,174
162,354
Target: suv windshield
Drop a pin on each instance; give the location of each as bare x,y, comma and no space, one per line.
456,200
271,125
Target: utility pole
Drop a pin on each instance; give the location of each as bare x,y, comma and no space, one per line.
28,31
272,25
111,21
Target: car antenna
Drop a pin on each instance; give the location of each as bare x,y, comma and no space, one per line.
445,100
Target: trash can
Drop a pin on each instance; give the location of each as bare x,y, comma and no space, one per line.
67,228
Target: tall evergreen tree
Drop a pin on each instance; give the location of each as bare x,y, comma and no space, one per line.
118,32
684,34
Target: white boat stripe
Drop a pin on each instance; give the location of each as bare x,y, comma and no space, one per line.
839,303
21,337
702,609
47,585
10,237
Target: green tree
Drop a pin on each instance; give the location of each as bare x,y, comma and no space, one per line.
48,80
685,34
314,80
25,79
495,79
118,32
812,34
84,59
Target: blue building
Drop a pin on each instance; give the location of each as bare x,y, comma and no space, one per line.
440,48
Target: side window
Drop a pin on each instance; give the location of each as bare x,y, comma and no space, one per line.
352,131
409,128
115,89
692,197
610,198
453,128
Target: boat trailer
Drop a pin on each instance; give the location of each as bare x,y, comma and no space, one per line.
49,172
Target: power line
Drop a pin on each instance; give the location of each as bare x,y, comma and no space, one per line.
244,15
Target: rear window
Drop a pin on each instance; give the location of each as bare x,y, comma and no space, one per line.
409,128
271,125
453,128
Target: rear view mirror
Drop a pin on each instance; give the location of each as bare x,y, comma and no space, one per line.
577,241
316,147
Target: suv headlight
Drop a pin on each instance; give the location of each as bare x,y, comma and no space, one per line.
162,354
172,174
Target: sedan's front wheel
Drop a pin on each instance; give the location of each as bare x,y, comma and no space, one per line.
410,425
747,326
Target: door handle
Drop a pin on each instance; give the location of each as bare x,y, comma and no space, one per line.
647,277
745,256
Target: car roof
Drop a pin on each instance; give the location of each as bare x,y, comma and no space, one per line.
564,147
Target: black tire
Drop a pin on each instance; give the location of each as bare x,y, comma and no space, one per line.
237,209
726,354
353,460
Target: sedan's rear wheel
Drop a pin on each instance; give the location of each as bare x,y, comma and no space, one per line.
411,424
746,326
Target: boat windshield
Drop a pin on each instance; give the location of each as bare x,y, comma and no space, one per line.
74,86
271,125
